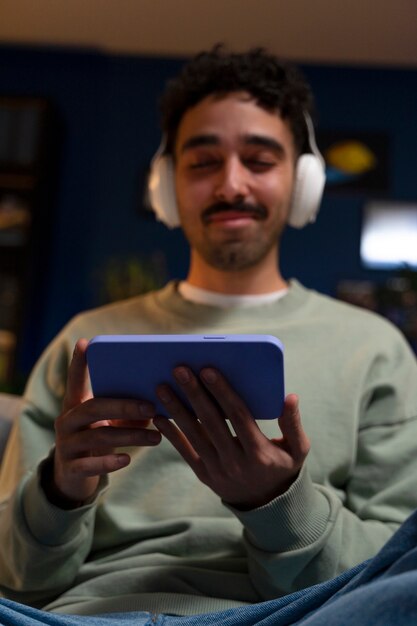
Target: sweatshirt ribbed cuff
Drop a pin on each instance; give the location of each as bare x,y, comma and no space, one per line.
49,524
292,521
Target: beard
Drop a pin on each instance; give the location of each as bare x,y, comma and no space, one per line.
235,256
238,252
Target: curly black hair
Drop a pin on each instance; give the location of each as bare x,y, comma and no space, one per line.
274,84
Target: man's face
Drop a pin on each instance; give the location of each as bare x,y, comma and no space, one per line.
234,177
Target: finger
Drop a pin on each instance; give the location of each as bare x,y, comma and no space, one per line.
187,422
123,423
206,409
177,438
99,465
292,430
97,411
111,438
94,442
78,385
234,409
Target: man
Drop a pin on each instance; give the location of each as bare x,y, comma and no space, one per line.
186,516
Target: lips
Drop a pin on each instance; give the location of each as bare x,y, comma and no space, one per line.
228,216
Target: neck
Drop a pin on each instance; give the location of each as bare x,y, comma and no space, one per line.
265,277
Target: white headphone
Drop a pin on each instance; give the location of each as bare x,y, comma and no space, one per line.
310,178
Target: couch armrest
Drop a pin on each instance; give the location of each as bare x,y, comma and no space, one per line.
10,407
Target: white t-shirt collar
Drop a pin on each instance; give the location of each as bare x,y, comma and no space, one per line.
213,298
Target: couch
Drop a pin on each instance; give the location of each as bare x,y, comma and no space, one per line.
10,407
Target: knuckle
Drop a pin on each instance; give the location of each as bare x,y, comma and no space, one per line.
58,423
98,436
192,388
84,468
129,410
266,461
234,475
174,408
239,412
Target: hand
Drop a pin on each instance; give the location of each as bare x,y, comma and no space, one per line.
89,430
245,469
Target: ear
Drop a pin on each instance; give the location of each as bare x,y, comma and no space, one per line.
161,186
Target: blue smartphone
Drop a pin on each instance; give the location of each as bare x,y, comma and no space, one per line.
131,366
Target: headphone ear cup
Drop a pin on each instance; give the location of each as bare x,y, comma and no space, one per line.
309,183
161,189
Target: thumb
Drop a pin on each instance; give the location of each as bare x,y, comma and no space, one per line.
78,381
292,429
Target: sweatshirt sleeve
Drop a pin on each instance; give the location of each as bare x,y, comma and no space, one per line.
36,536
314,531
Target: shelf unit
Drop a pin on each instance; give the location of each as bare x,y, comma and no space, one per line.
29,148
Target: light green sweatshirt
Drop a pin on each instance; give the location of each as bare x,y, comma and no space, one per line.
155,538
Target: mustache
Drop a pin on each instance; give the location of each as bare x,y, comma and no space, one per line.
241,207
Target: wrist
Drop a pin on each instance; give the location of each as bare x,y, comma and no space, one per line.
50,489
261,500
302,515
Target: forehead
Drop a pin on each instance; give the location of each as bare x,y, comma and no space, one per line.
230,119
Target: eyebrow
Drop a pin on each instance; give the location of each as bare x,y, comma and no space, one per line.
262,141
200,140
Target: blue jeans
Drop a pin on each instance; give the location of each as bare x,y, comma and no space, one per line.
378,592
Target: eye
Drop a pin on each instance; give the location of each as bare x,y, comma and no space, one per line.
204,164
259,164
259,160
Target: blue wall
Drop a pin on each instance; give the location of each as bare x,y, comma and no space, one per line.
108,107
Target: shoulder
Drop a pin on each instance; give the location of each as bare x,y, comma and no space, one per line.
348,318
133,315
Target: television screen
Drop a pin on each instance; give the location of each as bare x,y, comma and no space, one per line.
389,235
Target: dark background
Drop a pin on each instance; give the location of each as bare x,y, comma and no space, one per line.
108,110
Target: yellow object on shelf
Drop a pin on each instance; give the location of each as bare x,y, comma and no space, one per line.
351,157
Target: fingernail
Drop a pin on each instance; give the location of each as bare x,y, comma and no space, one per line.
209,375
122,459
182,374
163,394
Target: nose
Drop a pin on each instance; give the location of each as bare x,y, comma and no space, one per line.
232,183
